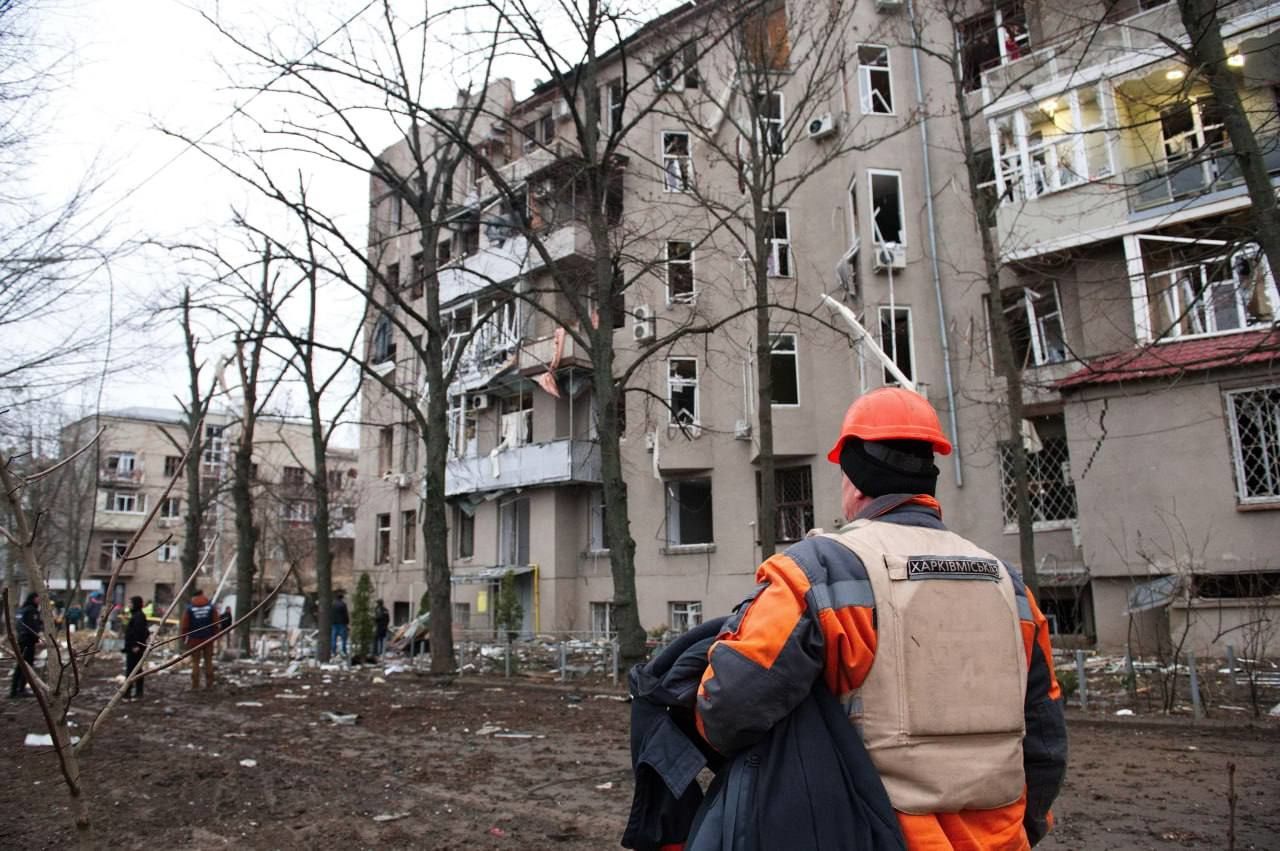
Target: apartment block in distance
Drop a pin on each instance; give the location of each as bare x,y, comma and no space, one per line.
141,450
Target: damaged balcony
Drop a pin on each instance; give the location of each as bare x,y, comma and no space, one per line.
1210,169
555,462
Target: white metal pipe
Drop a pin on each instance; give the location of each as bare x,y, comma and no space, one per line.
861,336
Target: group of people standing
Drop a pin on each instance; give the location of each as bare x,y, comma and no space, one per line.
340,625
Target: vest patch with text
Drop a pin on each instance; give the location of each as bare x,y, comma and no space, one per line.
952,567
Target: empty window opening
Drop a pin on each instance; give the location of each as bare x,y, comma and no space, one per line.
886,207
677,162
1034,322
382,540
409,535
689,512
875,80
682,391
778,237
895,340
680,288
784,369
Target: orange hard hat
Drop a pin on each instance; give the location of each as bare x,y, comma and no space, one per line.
891,413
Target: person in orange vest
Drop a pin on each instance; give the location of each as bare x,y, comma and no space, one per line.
200,626
935,647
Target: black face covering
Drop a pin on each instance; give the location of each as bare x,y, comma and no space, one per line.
889,466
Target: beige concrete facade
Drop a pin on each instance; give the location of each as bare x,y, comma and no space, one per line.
523,487
139,452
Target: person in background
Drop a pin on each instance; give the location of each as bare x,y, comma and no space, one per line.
92,609
381,623
29,625
341,623
136,636
200,626
150,609
224,626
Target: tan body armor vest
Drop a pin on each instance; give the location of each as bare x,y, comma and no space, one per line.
942,707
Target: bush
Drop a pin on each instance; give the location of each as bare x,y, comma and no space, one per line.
508,614
424,605
362,618
1067,682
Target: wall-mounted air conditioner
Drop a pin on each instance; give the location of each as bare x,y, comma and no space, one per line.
478,401
642,326
742,430
563,112
822,126
889,255
888,5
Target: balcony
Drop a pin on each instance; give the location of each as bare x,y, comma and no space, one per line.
1211,169
118,521
121,475
555,462
1136,40
536,356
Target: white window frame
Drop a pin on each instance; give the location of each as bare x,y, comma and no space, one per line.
1177,296
672,515
1036,320
1237,452
615,110
597,533
602,613
872,174
780,247
171,508
409,535
794,354
889,346
213,456
116,500
675,383
381,554
684,615
678,183
167,552
682,298
866,91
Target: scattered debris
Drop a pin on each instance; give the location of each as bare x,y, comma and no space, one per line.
394,669
519,736
497,831
390,816
288,696
235,735
340,718
608,784
248,703
249,763
1275,710
378,680
488,730
1124,711
45,740
621,698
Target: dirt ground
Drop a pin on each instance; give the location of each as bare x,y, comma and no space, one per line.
438,760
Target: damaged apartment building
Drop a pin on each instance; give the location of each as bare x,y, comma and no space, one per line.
1139,306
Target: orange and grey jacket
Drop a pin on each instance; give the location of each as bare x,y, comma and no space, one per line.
813,613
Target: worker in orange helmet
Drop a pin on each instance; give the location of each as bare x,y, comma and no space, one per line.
935,646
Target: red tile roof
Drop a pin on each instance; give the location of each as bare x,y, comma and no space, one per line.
1171,359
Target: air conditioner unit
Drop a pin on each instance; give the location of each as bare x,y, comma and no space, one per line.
530,145
822,126
478,401
742,430
888,5
563,112
890,255
402,481
642,326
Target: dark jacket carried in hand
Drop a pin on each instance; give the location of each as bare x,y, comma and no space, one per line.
29,625
340,615
136,634
809,783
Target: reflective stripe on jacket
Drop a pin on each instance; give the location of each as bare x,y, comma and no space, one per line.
813,613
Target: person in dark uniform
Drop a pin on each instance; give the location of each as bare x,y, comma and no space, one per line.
136,636
29,627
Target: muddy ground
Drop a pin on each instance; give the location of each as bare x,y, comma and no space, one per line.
437,759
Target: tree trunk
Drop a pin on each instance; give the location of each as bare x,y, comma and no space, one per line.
1200,17
246,529
320,523
193,519
767,510
1006,368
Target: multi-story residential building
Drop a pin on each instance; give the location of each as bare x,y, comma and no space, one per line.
140,451
890,230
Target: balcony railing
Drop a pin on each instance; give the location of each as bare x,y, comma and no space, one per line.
1211,169
554,462
117,476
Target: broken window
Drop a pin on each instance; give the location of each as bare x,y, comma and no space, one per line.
1056,143
895,340
794,494
513,532
766,43
678,69
875,80
409,451
1222,293
1237,586
1254,417
887,214
684,615
444,251
616,104
1033,319
784,369
987,196
386,456
171,508
991,39
172,466
409,535
598,534
298,511
293,477
682,391
417,276
771,118
382,540
680,288
464,532
1049,485
677,162
517,420
689,512
382,347
112,550
778,237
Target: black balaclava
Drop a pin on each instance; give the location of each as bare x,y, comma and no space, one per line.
889,466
